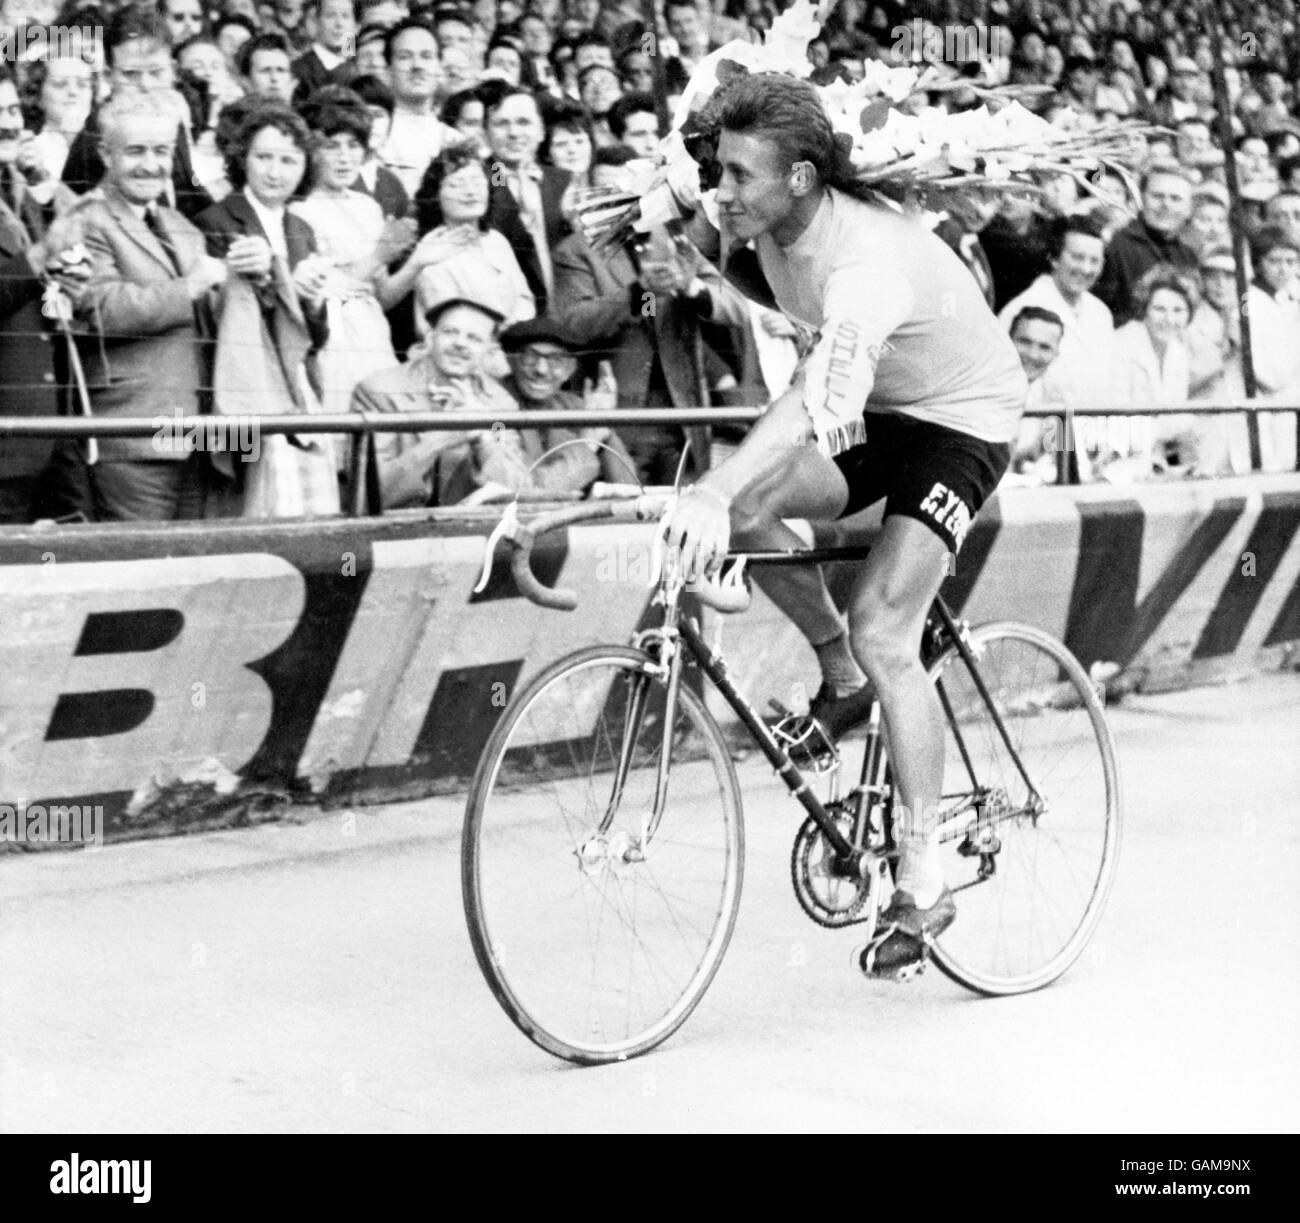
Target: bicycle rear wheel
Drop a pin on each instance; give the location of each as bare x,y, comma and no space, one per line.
599,931
1030,861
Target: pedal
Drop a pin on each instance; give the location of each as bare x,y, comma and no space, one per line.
804,740
866,959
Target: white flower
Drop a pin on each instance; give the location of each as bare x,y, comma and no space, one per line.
993,168
785,45
704,80
893,83
1020,126
872,149
903,132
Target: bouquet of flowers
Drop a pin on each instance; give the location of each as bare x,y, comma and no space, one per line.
919,161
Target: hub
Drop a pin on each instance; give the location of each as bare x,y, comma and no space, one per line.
618,852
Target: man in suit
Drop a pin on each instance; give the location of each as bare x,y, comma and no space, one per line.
643,305
140,62
147,318
522,192
31,371
336,28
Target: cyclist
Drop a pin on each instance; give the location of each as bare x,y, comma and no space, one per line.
911,392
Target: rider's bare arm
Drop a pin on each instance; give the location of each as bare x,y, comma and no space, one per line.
783,429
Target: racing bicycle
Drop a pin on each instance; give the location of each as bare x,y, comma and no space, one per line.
604,843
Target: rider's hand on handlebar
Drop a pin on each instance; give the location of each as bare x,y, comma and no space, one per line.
697,530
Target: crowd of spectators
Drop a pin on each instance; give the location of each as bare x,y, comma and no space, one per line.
323,205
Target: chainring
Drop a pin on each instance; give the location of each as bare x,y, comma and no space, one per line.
830,899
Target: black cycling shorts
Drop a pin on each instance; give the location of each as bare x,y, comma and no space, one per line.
924,471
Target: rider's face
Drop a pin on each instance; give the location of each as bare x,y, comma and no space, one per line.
754,192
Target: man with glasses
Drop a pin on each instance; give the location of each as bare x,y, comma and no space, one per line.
543,357
1183,101
184,19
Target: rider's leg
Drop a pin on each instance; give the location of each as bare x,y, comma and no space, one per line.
898,583
808,486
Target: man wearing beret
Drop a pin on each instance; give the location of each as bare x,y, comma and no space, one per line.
543,356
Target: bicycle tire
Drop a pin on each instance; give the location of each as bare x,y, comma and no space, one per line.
552,747
1016,932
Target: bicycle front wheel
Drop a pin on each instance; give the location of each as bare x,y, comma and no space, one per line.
598,922
1031,817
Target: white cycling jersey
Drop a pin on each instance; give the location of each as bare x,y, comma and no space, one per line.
902,326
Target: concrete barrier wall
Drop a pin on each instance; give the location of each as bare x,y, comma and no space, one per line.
198,675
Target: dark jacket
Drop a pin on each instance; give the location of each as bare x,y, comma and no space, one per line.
1015,259
389,193
310,74
28,384
1133,252
503,214
966,245
600,302
35,373
234,217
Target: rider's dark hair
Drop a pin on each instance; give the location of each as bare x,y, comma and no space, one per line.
790,114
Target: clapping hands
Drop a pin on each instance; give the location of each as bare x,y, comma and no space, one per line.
249,256
310,278
444,242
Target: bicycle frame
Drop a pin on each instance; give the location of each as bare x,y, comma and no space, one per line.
680,630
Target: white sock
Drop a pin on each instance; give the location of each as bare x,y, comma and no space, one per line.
920,869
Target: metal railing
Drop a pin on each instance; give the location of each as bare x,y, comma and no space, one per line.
368,424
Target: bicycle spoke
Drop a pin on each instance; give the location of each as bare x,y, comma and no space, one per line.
648,921
1024,923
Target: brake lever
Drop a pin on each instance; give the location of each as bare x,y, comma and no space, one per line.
506,528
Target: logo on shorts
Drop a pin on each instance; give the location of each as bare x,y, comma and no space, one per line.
949,511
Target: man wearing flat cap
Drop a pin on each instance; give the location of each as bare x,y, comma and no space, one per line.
543,356
442,468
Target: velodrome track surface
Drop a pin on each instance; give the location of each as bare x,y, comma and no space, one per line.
317,976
